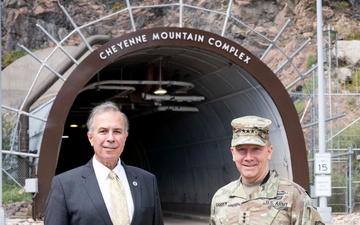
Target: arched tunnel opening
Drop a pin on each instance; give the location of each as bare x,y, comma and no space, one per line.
183,137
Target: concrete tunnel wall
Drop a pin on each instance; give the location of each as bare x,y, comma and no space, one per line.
189,152
191,166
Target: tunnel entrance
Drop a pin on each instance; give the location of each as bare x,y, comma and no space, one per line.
183,137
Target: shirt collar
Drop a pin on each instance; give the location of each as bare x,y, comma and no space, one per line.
102,171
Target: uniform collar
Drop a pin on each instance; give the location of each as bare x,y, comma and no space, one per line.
267,189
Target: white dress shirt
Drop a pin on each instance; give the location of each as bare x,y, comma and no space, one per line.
102,173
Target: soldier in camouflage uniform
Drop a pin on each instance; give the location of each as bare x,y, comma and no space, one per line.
260,196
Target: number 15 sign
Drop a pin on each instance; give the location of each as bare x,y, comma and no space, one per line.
322,163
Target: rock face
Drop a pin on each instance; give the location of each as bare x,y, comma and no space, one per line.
20,19
349,52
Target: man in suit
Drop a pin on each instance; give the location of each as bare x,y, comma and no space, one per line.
81,196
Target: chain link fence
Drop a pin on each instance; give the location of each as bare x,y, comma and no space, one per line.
16,167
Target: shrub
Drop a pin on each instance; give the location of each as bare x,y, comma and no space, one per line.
117,6
6,132
312,60
340,5
12,56
351,135
299,105
355,36
13,193
354,83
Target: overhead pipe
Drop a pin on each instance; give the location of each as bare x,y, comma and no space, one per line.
166,108
177,108
185,86
173,98
136,96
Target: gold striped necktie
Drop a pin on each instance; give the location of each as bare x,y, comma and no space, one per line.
119,208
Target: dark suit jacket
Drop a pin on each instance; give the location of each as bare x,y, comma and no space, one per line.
75,198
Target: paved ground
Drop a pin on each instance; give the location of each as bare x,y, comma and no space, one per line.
168,221
178,221
337,219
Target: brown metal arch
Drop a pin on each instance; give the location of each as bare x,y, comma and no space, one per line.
93,63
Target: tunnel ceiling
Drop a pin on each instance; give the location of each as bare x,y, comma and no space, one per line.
191,77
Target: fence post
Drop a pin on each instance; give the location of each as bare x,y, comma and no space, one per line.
350,181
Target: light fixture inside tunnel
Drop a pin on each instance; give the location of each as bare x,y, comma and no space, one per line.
160,90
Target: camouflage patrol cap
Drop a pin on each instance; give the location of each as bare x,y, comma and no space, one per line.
250,130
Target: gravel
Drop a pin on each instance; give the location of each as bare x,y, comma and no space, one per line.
345,219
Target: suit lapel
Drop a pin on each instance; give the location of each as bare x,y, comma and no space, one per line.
92,187
135,187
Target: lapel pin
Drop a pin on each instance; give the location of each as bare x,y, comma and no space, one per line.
135,183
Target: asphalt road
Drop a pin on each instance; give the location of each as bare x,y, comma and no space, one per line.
178,221
168,220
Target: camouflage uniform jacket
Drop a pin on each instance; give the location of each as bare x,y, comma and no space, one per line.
277,201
